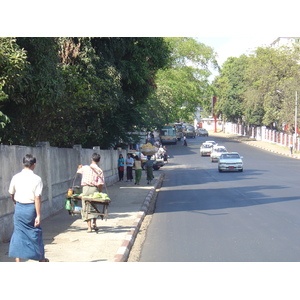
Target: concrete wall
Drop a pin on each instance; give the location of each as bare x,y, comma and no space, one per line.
263,134
57,167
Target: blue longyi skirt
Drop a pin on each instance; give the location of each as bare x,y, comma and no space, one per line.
27,240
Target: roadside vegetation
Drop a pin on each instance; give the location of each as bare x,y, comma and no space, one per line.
260,89
96,91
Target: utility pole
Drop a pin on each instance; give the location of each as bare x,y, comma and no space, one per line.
296,119
214,100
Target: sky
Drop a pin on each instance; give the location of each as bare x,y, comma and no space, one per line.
216,18
235,46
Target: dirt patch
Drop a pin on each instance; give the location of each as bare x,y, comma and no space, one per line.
136,249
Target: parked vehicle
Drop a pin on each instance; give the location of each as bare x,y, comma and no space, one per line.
201,132
230,161
190,132
216,153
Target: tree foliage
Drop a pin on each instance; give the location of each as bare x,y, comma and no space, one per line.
95,91
13,66
80,90
231,86
260,89
184,85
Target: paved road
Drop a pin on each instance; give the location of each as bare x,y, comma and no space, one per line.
204,215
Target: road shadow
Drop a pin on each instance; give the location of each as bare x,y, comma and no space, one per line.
199,200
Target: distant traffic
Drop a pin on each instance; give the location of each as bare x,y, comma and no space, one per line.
227,161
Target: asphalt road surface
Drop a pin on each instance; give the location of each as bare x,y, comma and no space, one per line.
205,216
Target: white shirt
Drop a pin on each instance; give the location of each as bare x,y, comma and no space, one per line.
129,162
25,186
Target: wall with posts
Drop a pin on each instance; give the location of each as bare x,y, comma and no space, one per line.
263,134
57,167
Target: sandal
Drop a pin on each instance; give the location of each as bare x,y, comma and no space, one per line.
44,260
95,227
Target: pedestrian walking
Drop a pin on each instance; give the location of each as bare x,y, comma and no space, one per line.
121,167
92,181
184,141
149,169
26,192
138,170
129,165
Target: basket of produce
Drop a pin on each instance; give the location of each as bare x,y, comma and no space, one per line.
97,196
148,149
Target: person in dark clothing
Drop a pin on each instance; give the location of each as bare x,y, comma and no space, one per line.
129,164
149,169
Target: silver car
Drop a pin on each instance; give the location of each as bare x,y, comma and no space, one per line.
216,153
201,132
230,161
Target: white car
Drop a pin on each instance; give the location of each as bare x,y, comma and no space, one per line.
230,161
205,149
211,142
216,153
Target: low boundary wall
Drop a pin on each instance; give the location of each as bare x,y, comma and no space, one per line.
57,167
263,134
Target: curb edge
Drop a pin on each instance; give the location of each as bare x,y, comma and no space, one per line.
123,252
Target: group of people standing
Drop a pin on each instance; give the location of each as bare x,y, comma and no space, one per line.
134,162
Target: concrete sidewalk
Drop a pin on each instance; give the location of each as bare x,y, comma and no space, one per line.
66,238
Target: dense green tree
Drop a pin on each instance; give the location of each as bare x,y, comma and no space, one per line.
12,67
31,105
270,74
3,118
133,63
184,85
260,89
230,87
80,90
95,91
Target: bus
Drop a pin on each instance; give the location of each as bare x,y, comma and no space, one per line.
179,130
168,135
